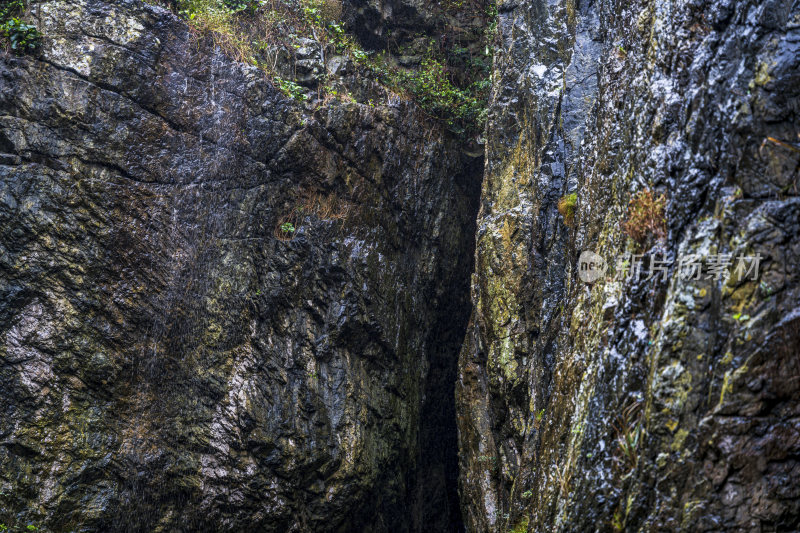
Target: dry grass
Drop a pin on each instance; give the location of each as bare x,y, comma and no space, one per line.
313,203
326,206
628,429
330,10
255,37
208,18
646,217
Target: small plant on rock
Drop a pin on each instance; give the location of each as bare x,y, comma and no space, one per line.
291,89
646,217
286,228
566,206
618,521
629,433
537,417
18,36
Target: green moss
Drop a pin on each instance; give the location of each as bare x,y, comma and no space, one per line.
566,206
521,526
762,76
618,521
679,439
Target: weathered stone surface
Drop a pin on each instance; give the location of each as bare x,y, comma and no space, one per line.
169,359
605,99
172,360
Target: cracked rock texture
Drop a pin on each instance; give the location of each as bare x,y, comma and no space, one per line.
170,360
607,98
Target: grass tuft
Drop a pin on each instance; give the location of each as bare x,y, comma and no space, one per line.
646,219
566,206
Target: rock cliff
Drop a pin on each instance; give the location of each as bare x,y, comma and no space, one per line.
662,404
172,356
236,302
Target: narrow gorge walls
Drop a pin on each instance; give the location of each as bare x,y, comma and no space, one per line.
173,355
666,404
277,286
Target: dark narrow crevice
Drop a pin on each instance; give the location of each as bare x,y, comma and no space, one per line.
435,498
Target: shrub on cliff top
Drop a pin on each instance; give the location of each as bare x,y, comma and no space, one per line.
451,87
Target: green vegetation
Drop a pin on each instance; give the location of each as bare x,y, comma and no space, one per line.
434,91
766,288
618,522
566,206
291,89
450,85
537,417
521,527
286,227
14,32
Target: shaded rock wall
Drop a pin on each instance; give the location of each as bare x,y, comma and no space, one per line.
169,359
605,99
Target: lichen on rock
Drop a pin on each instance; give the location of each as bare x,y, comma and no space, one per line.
613,100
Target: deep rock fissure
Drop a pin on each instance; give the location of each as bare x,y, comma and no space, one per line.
435,499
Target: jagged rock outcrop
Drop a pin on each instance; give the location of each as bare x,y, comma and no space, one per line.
174,358
636,405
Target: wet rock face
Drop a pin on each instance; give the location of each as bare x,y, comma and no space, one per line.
172,356
370,20
409,30
649,405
